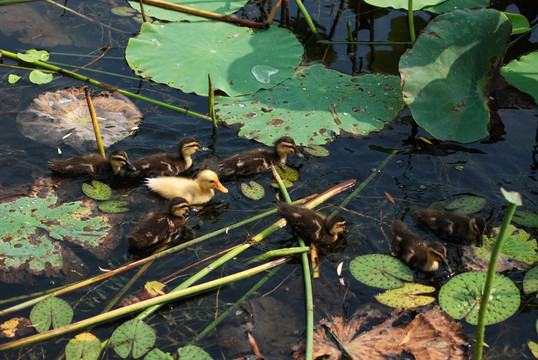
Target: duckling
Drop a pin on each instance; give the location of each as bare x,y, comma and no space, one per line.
164,164
453,227
91,165
414,251
159,225
196,191
311,225
254,161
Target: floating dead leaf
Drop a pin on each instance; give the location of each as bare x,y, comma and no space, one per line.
53,115
16,327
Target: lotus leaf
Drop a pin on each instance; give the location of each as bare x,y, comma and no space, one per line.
114,206
530,281
517,245
467,204
193,352
460,297
446,73
315,105
239,60
288,173
403,4
525,218
39,77
133,336
520,24
252,190
407,296
522,74
97,190
157,354
225,7
286,182
51,311
32,55
533,348
83,346
381,271
316,150
451,5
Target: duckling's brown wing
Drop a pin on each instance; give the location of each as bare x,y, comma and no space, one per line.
155,228
248,162
307,223
81,165
158,165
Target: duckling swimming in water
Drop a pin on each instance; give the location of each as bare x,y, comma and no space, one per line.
254,161
164,164
453,227
196,191
414,251
311,225
91,165
158,226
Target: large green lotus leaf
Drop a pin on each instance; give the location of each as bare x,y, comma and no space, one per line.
402,4
49,312
314,106
381,271
239,60
226,7
407,296
530,281
523,74
451,5
133,336
460,297
84,346
446,74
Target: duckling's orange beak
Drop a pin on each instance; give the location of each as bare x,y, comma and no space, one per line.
221,187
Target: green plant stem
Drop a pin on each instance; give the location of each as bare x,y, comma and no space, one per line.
411,21
211,102
481,325
95,123
74,75
139,306
308,19
222,316
279,253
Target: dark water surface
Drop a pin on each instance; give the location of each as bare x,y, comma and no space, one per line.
416,178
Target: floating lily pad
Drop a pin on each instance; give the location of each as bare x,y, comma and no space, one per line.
287,173
224,7
51,311
533,347
12,78
53,115
467,204
154,288
97,190
315,105
446,74
84,346
518,245
193,352
402,4
316,150
525,218
157,354
237,58
530,281
460,297
32,55
39,77
253,190
522,74
133,336
407,296
286,182
381,271
114,206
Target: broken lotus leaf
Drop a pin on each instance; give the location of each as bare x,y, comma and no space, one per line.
83,346
477,259
526,218
193,352
13,327
62,117
133,336
460,297
530,281
381,271
407,296
51,311
467,204
252,190
517,245
97,190
315,105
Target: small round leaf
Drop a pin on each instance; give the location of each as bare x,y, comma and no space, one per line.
530,281
407,296
191,352
97,190
40,77
316,150
114,206
252,190
51,311
133,336
83,346
287,172
381,271
286,182
157,354
467,204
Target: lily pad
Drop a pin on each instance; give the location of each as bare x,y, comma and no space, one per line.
381,271
446,73
533,347
253,190
84,346
467,204
51,311
460,297
224,7
286,182
39,77
407,296
133,336
157,354
522,74
193,352
287,173
53,115
114,206
315,105
402,4
237,58
525,218
530,281
32,55
316,150
518,245
97,190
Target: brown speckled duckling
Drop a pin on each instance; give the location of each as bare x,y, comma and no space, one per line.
91,165
311,225
453,227
254,161
157,226
414,251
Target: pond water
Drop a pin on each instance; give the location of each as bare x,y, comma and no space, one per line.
416,177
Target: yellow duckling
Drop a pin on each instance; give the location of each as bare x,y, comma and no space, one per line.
311,225
164,164
414,251
453,227
158,226
254,161
196,191
91,165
